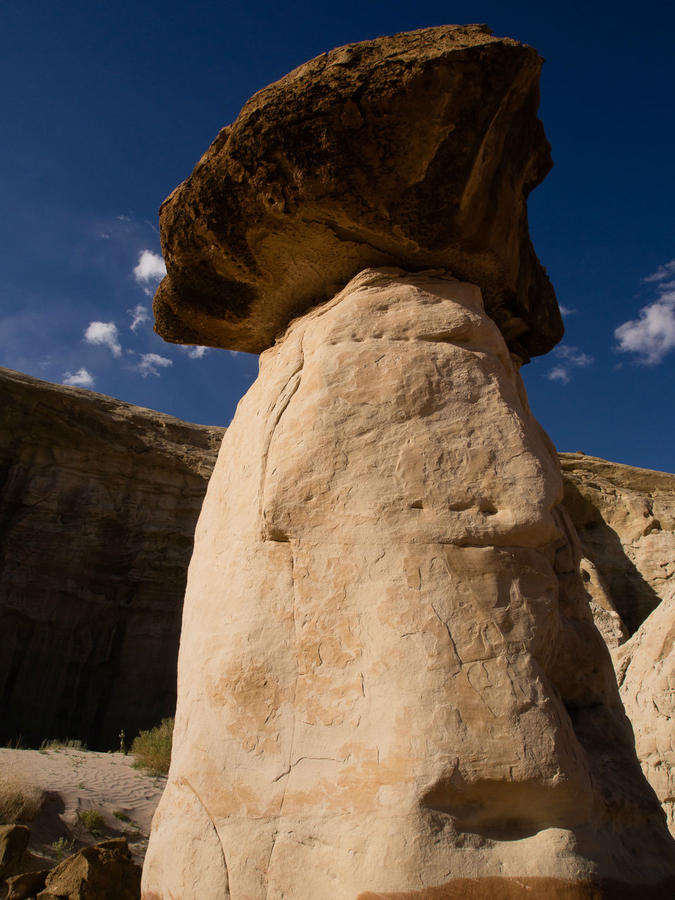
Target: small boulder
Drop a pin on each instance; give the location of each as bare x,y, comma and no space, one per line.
22,887
105,871
13,842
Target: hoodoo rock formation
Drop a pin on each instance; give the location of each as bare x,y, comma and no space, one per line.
390,683
417,150
98,502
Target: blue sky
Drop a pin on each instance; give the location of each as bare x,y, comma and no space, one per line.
107,107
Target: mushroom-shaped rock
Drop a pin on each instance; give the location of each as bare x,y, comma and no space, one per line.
389,680
417,150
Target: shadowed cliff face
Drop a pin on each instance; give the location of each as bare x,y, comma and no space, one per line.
98,502
625,519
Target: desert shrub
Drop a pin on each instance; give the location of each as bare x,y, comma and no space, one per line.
62,847
121,815
152,748
65,744
20,800
92,820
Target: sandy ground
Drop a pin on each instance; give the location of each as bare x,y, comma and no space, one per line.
59,784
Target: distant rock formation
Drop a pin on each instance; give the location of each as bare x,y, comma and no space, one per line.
98,502
389,676
625,519
645,668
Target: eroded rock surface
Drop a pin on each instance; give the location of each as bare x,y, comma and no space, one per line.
98,502
645,668
13,843
105,871
416,150
388,670
625,519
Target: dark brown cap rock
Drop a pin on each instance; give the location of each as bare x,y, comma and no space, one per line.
417,150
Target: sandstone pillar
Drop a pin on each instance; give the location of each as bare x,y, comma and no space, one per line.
389,676
390,684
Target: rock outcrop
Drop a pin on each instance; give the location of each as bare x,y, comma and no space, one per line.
105,871
645,668
98,501
13,843
417,150
390,682
625,519
388,673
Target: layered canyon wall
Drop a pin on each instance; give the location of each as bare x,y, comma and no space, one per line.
98,503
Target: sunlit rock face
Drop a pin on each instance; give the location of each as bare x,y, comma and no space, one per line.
389,676
645,668
625,519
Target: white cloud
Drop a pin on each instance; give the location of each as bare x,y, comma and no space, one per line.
150,267
652,335
104,333
195,352
558,373
572,358
151,363
81,378
139,316
662,273
565,310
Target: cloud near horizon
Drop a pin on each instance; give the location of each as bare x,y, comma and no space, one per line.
151,363
664,272
81,378
571,358
105,334
197,352
149,269
139,316
651,336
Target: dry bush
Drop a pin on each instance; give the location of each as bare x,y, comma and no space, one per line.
152,748
92,820
20,800
65,744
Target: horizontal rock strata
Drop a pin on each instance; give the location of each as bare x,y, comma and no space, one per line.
98,502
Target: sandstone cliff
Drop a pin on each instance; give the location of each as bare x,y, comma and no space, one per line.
625,519
98,502
645,668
